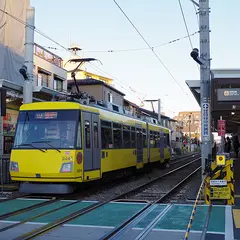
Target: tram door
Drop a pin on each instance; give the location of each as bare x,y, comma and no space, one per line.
139,141
161,145
91,141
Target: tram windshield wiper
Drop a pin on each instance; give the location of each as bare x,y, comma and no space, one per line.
29,144
47,142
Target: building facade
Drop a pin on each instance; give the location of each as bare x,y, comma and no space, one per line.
48,70
100,90
191,123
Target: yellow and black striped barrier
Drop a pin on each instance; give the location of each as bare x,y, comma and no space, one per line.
219,182
194,210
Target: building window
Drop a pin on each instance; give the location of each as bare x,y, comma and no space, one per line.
42,79
58,84
110,97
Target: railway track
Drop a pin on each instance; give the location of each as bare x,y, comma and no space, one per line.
155,189
94,188
120,197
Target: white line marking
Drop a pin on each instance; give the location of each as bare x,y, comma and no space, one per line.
36,223
2,221
33,199
178,230
229,235
203,205
68,200
89,201
129,203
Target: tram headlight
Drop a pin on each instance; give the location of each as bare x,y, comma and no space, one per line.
66,167
14,167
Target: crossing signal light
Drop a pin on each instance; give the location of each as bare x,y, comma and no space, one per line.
221,160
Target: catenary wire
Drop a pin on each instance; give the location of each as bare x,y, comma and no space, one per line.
151,49
185,23
49,38
60,45
186,26
132,49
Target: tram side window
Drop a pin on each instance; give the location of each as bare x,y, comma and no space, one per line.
95,132
152,140
166,140
133,137
117,135
87,135
156,139
79,137
106,134
126,137
139,138
144,139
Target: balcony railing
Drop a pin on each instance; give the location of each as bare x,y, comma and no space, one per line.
47,55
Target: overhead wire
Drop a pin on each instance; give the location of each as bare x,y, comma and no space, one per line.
60,45
132,49
185,23
195,8
151,49
186,26
68,50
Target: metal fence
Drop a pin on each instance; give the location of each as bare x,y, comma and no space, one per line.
4,169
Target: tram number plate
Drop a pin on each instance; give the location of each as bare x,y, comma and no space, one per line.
220,193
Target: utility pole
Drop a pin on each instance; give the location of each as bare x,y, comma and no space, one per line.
29,46
205,85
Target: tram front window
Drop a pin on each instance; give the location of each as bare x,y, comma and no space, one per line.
47,129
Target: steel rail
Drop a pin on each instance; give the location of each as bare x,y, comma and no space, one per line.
47,202
6,215
157,178
57,223
37,216
13,198
115,231
172,162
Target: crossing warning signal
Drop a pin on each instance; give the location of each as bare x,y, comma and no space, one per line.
221,160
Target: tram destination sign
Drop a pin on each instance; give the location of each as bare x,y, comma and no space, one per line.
228,94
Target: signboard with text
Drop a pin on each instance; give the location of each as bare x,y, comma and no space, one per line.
228,94
205,120
220,193
221,128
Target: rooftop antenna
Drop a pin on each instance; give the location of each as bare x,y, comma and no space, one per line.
74,49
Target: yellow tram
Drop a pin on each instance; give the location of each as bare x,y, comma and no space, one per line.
60,144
